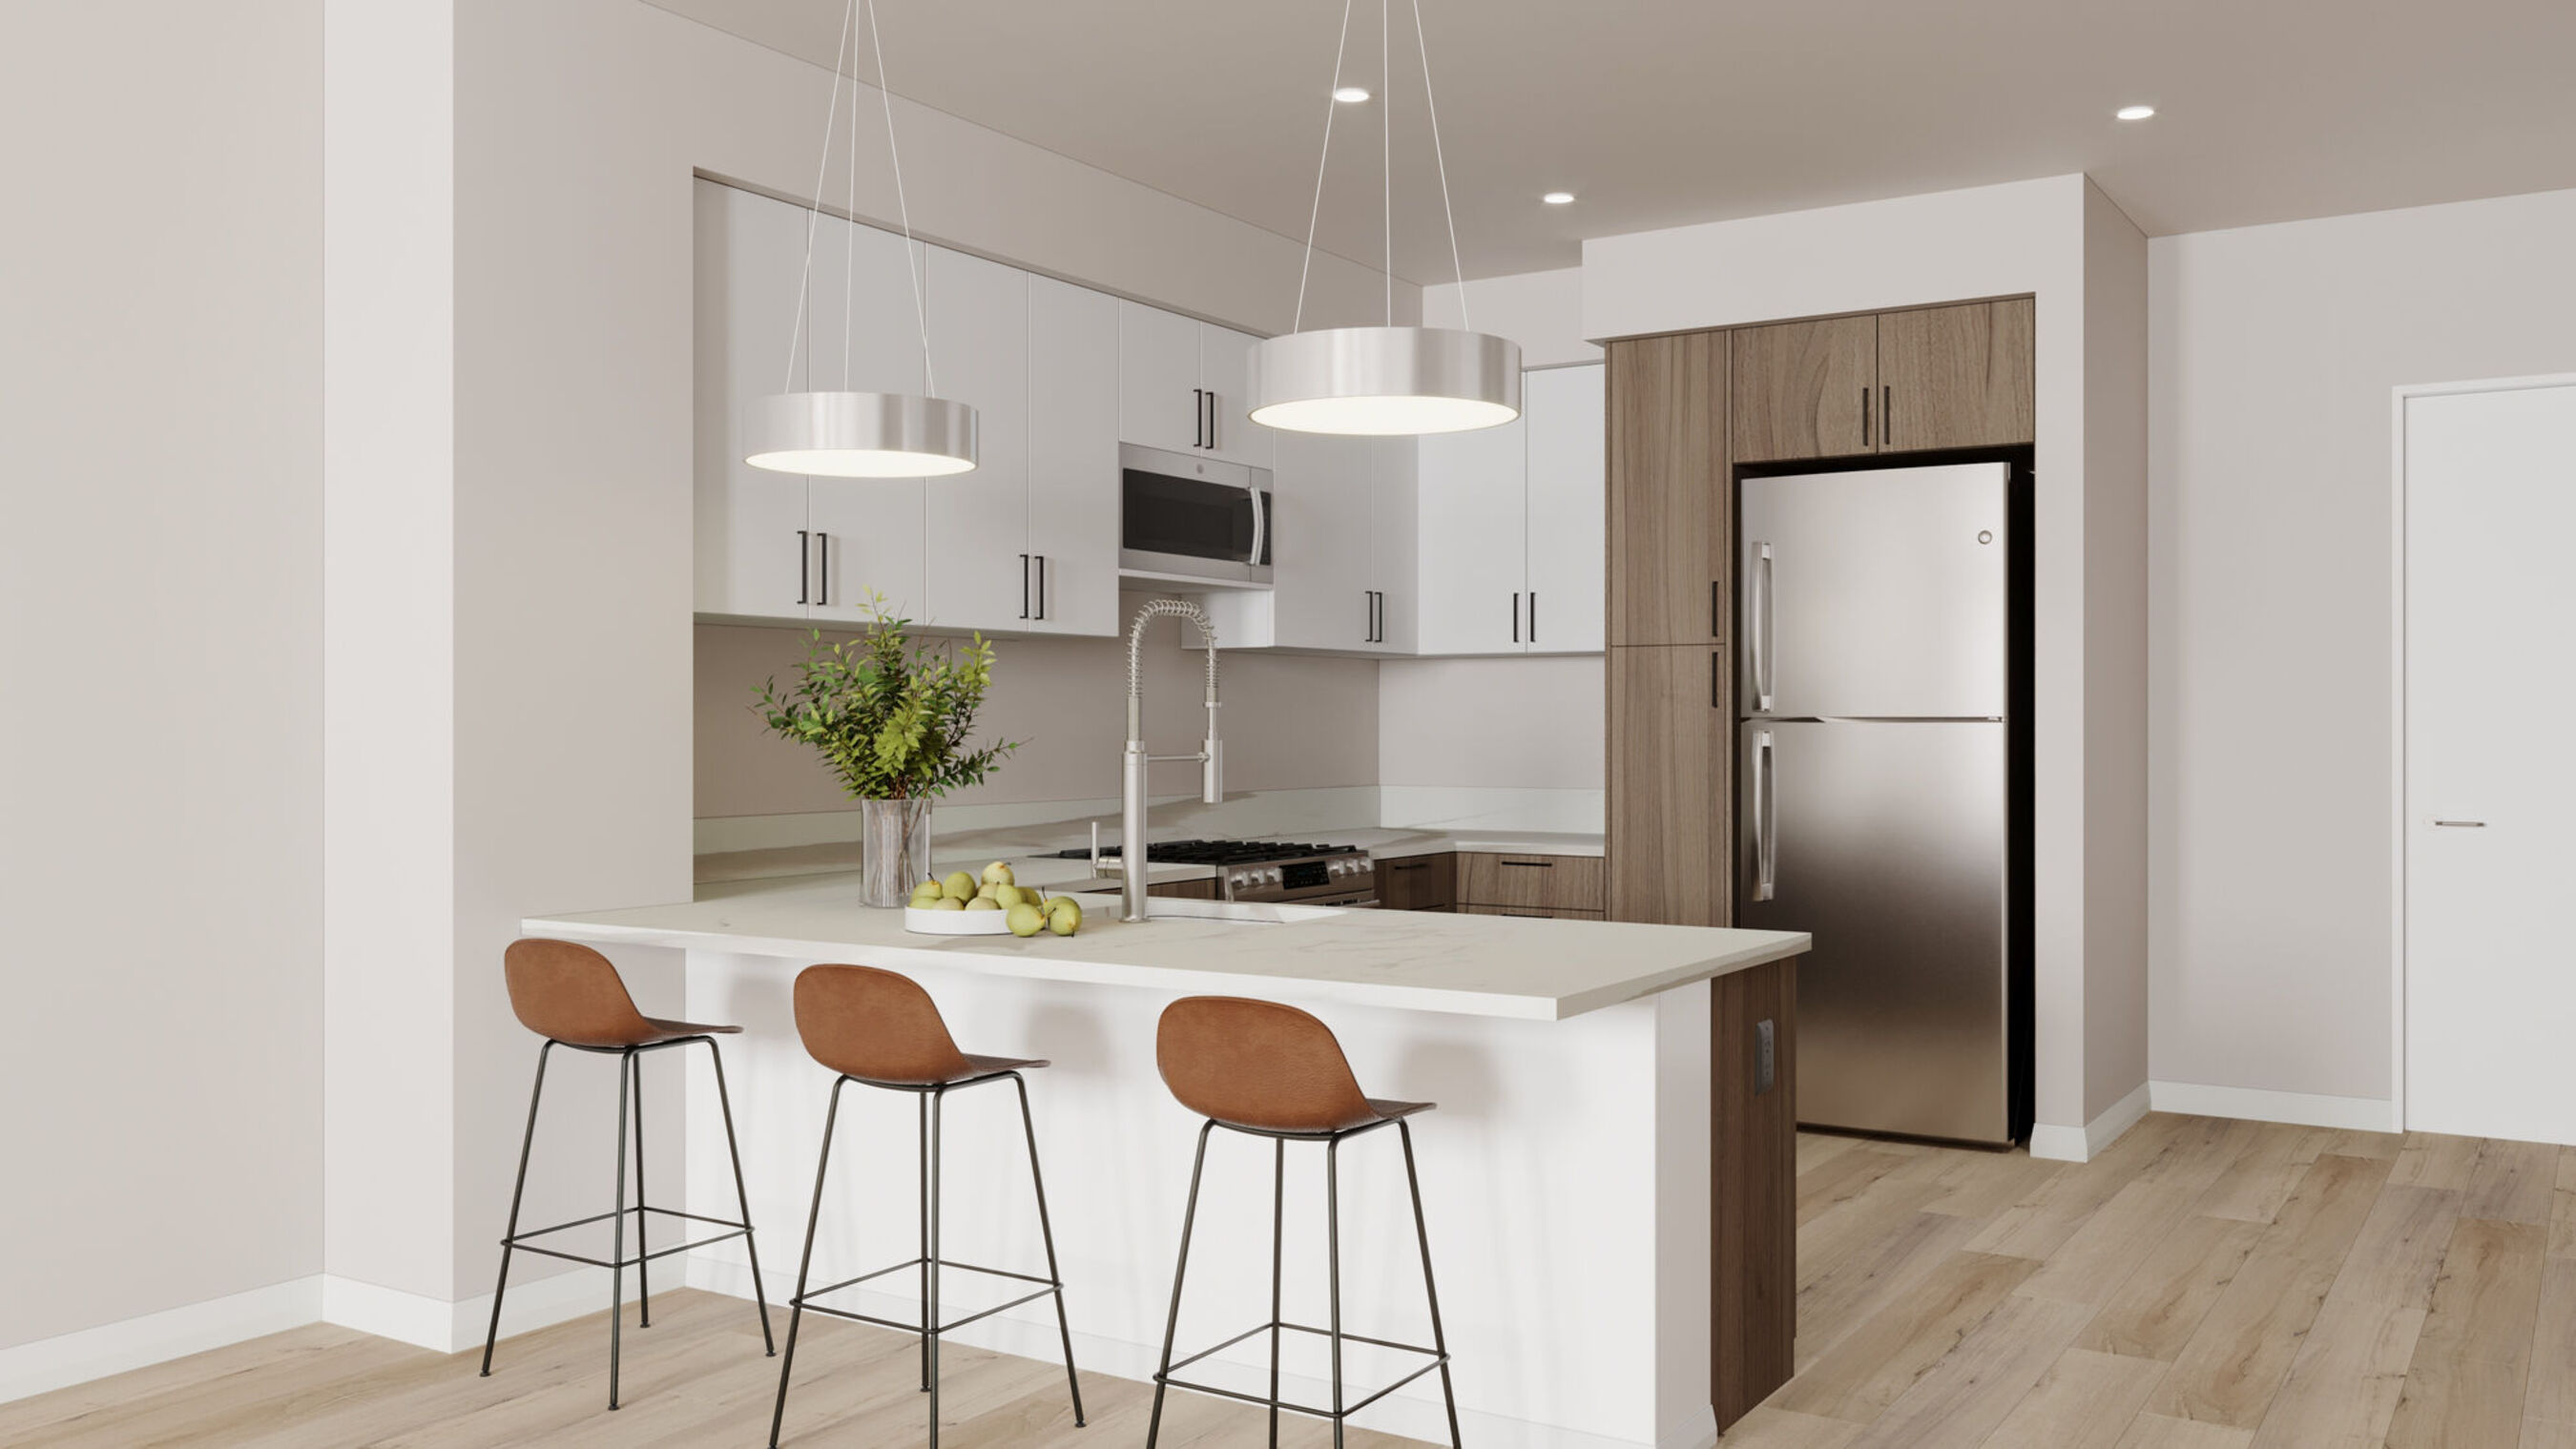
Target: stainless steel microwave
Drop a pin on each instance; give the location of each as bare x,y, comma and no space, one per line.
1193,518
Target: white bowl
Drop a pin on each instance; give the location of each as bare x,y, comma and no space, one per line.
956,923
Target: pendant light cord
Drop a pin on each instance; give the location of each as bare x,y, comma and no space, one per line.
1386,149
814,213
1424,45
903,209
1331,103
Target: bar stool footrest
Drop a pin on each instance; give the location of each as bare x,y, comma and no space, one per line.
1434,1357
521,1241
805,1300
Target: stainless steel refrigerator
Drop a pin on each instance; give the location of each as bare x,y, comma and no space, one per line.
1878,807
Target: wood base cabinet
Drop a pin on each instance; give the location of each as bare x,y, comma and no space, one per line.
1671,785
1419,882
1753,1169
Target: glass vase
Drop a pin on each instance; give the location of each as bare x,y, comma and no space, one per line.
894,849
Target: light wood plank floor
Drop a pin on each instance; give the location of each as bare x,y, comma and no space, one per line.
2203,1285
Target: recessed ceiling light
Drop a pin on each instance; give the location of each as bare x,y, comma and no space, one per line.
1559,198
1351,95
2133,113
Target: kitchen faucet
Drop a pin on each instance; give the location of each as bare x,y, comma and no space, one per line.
1131,850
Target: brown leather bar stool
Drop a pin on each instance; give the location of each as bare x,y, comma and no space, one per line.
570,995
879,1029
1267,1070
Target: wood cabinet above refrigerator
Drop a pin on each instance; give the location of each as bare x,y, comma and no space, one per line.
1919,380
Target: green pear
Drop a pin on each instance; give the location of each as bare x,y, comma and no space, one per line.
1027,920
1063,916
958,886
947,903
999,873
983,903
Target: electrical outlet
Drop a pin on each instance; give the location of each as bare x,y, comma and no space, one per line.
1764,1068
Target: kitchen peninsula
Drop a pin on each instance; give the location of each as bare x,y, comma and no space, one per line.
1608,1179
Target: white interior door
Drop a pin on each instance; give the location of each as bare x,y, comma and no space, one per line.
2490,798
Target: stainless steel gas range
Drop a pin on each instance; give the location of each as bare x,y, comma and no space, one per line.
1262,870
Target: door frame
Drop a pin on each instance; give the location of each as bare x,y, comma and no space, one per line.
2399,813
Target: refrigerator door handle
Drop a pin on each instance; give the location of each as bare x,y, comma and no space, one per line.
1760,632
1766,840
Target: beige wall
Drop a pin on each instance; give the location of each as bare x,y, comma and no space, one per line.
1533,723
160,657
1289,722
2274,352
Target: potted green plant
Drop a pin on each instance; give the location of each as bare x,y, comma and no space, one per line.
894,718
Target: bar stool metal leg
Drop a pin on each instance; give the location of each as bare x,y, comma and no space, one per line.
930,1303
742,1196
617,1253
1278,1241
1333,1261
921,1205
526,1142
1422,1234
805,1267
1046,1233
643,1250
1172,1324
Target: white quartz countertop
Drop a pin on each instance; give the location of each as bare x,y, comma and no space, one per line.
1031,852
1502,966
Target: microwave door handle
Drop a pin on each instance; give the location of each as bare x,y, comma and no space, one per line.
1260,524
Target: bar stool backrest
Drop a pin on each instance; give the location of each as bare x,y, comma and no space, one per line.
1258,1064
569,992
874,1025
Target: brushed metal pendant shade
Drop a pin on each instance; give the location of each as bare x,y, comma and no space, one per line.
860,435
1385,381
849,433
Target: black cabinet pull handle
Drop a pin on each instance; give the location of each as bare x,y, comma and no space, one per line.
822,568
1864,415
1211,419
1716,610
1516,618
1887,417
1024,586
1198,415
1409,865
1533,616
1530,864
804,566
1041,586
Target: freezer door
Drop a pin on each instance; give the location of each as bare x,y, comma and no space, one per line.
1875,595
1887,842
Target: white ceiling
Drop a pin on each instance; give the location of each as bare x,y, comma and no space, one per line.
1664,112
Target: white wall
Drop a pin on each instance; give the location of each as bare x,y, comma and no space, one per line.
2043,237
2274,350
1542,311
160,657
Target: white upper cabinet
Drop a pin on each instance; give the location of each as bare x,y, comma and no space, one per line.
1567,500
1511,518
1474,545
1181,386
1159,398
976,525
1225,367
752,551
1343,525
1073,459
773,544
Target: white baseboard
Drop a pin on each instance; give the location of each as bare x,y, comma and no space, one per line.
2083,1144
453,1327
113,1348
2299,1109
1030,1332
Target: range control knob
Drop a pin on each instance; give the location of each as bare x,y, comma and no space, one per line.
1238,880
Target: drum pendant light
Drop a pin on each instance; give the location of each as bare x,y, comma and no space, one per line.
1389,380
851,434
